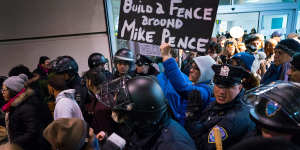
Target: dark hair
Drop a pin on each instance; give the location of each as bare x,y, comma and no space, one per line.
57,81
96,75
215,47
20,69
43,59
174,52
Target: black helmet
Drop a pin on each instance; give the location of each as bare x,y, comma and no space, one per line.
64,64
276,106
124,55
96,59
141,60
142,99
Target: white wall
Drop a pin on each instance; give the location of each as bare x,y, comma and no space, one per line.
28,52
35,18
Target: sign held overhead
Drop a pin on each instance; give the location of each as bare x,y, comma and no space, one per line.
184,24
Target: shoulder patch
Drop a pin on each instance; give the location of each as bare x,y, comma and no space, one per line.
272,108
211,136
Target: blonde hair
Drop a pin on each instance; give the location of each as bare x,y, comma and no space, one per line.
236,49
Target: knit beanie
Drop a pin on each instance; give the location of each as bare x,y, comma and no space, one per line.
296,61
16,83
290,46
67,134
246,58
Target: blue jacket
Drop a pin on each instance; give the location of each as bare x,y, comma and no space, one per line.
183,86
176,102
275,73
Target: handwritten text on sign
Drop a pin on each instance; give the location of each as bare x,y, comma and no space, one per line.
185,24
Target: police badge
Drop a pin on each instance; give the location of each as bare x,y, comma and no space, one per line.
224,71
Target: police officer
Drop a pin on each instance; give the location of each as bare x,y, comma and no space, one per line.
227,113
97,60
123,61
144,66
276,110
142,107
67,67
294,71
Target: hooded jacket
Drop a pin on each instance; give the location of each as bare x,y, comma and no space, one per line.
204,64
184,87
66,105
26,121
276,73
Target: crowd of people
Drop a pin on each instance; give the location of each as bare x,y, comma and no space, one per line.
242,93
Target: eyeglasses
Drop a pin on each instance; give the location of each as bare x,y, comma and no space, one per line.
3,90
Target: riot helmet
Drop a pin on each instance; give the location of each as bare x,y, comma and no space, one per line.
96,59
142,100
64,64
276,106
124,55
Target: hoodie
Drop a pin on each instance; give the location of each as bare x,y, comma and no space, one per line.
204,64
183,86
66,105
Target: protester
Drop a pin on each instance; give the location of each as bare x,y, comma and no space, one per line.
214,50
200,77
284,51
276,35
249,63
221,41
230,49
98,115
270,51
70,134
294,71
66,105
187,62
294,36
41,72
26,116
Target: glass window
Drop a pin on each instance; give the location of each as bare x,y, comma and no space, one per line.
298,23
261,1
225,2
115,18
225,22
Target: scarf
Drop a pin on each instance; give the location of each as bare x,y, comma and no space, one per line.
6,107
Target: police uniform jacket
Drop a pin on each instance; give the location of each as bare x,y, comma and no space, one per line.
232,119
171,136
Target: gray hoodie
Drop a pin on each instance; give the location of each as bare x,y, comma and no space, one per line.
204,64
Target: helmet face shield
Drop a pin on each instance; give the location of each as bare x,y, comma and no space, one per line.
252,97
113,94
276,104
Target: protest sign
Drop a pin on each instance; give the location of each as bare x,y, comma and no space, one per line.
185,24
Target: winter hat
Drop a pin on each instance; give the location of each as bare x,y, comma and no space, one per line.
16,83
204,64
296,61
276,34
67,134
246,58
290,46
